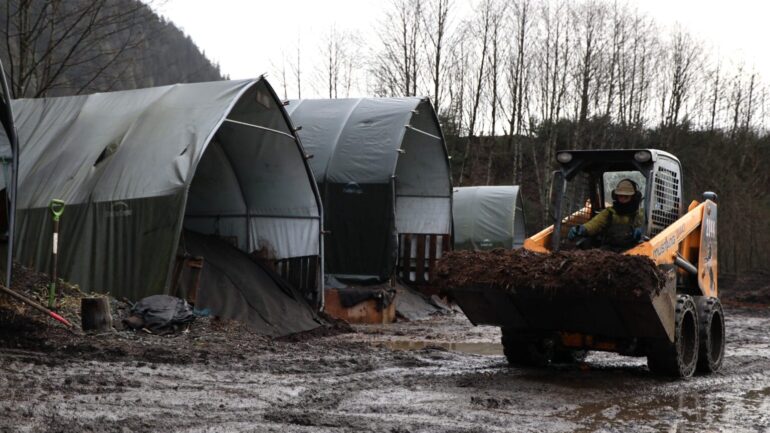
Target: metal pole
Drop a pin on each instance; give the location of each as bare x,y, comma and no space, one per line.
11,188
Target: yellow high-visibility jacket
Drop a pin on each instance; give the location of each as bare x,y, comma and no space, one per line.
610,216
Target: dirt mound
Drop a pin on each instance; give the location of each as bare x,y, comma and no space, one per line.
578,272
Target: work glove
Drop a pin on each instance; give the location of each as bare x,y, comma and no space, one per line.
576,231
638,234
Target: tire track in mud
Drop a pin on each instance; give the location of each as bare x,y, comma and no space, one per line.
615,393
323,405
436,396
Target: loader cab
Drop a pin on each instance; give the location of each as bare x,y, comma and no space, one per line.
582,187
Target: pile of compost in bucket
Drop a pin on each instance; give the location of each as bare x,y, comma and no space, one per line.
579,272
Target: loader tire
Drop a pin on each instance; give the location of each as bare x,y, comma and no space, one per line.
521,351
680,358
711,321
569,356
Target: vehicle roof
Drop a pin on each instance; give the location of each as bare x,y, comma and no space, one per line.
656,153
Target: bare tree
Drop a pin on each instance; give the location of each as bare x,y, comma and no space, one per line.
351,72
497,16
396,64
553,71
634,73
716,93
736,102
517,64
280,68
435,24
458,72
618,40
589,19
481,25
751,102
684,57
331,48
338,48
46,40
296,67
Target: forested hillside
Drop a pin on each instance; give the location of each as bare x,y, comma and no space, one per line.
55,48
515,81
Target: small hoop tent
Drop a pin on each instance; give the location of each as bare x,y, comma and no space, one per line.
488,217
136,167
382,168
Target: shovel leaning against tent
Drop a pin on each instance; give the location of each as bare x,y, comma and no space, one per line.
57,209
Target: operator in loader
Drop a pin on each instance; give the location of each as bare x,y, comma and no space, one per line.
618,227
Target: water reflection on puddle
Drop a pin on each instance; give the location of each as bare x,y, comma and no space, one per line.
475,348
684,410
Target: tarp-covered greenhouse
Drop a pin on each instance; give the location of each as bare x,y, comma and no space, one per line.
136,167
382,169
9,161
488,217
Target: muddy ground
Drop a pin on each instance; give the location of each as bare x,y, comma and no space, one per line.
439,375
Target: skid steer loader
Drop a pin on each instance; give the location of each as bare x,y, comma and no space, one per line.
680,329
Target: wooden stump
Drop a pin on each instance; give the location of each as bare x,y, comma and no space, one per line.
95,314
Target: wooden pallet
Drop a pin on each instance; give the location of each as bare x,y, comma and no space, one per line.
418,254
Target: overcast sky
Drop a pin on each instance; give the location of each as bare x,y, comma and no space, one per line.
246,37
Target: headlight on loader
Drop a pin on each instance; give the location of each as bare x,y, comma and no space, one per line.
564,157
642,156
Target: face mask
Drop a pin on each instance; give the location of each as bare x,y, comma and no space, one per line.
627,208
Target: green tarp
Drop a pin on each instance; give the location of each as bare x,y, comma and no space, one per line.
8,157
488,217
135,167
382,169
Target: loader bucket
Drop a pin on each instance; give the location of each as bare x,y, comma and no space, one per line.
617,316
594,292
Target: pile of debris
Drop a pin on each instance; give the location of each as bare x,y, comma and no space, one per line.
34,286
155,314
205,340
578,272
135,334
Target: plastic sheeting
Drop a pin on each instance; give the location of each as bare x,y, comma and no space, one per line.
382,169
124,163
234,286
160,312
414,305
488,217
8,174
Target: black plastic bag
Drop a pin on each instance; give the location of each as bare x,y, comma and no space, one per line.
160,313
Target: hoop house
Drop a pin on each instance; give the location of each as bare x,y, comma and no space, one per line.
383,172
136,167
